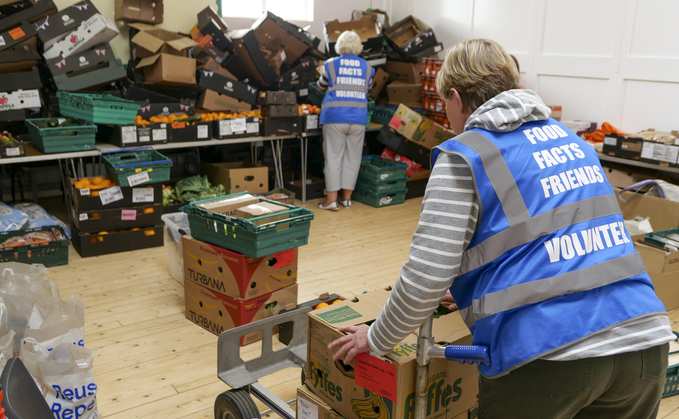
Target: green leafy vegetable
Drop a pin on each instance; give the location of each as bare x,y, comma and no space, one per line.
197,188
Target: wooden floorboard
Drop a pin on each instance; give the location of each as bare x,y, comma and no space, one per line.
152,362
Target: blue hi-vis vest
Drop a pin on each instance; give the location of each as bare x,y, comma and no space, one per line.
346,99
551,261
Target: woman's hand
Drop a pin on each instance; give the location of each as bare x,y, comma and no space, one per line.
352,344
450,301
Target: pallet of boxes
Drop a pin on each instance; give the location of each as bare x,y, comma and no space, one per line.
382,386
240,260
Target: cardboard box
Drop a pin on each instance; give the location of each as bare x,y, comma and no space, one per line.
387,383
151,42
54,27
211,23
236,127
406,72
168,70
310,406
389,137
238,176
217,312
9,7
280,111
236,275
623,178
115,242
410,36
298,77
311,122
663,268
12,150
210,64
149,109
417,184
406,93
658,153
28,15
277,98
23,80
94,31
88,79
83,61
379,81
418,129
21,99
133,135
315,187
20,58
23,35
367,29
250,58
116,218
621,146
197,131
215,101
84,200
227,86
262,209
288,41
282,126
229,206
149,11
663,213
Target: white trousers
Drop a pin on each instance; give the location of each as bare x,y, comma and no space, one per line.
342,147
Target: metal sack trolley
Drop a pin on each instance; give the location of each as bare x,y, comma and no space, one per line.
242,376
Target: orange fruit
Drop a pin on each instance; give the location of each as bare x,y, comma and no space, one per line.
148,210
103,232
97,180
94,193
86,181
321,305
95,215
135,229
337,301
106,183
80,184
149,233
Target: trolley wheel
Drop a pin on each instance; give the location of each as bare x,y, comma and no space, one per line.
236,404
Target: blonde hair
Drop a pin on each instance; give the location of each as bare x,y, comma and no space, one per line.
349,43
478,69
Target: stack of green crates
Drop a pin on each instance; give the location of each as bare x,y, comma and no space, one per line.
381,182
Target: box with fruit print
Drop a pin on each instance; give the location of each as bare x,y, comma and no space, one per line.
385,386
99,192
134,218
110,241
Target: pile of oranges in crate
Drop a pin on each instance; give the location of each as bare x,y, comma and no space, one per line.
94,185
214,116
306,109
165,119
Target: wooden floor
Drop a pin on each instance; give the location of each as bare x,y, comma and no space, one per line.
152,362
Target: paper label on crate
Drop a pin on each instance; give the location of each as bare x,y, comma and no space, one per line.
384,176
439,106
202,131
376,375
610,141
284,258
303,92
159,134
142,195
110,195
395,122
239,125
85,192
438,48
13,152
128,134
340,315
128,215
306,409
83,217
2,41
144,138
224,128
311,122
253,128
138,179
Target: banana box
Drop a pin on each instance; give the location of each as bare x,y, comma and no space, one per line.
236,275
418,129
384,387
310,406
217,312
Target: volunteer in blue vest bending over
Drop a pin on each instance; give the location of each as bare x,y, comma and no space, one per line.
344,113
519,223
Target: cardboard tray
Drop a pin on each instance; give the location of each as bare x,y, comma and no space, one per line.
136,135
24,34
20,58
620,146
410,36
81,62
198,131
116,218
211,23
28,16
148,11
367,28
390,138
227,86
94,245
12,150
85,201
23,80
53,28
281,126
149,109
236,127
110,72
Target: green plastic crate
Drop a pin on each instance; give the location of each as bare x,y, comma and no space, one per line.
53,253
378,200
246,237
378,169
98,108
62,139
393,186
120,165
663,238
672,377
316,98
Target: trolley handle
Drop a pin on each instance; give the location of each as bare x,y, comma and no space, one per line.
472,354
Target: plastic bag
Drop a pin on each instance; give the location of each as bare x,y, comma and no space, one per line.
658,187
65,376
6,337
11,219
15,293
62,323
38,217
638,225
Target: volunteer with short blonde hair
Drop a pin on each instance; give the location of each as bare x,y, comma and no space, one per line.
344,113
519,224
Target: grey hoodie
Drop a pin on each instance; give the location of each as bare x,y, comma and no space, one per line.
508,110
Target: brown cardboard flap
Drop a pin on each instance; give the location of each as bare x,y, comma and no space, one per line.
365,28
147,40
145,62
182,43
663,213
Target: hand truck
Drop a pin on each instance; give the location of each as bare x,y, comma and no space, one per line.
242,376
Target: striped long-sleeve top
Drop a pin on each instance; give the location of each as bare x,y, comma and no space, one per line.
447,223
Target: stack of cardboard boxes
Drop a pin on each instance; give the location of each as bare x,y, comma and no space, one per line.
374,386
224,288
281,113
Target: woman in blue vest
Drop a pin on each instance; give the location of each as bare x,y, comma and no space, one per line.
344,113
520,225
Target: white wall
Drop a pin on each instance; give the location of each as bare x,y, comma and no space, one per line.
605,60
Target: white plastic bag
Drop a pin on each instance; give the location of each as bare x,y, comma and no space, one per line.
638,225
66,378
65,323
